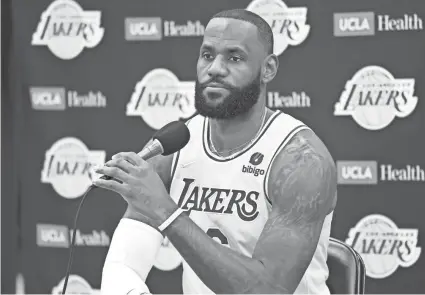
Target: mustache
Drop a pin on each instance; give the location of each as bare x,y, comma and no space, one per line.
217,81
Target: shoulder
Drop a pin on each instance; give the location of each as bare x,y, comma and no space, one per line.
194,120
303,170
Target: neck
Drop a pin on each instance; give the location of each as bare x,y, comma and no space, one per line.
228,134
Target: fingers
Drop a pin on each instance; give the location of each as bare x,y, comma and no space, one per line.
116,173
123,165
131,157
112,185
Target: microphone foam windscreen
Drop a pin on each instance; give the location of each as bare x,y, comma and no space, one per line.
173,137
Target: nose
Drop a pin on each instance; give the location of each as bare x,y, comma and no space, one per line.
217,68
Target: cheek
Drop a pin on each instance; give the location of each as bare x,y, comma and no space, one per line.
198,67
243,78
201,69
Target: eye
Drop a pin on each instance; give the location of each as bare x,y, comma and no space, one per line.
206,55
235,58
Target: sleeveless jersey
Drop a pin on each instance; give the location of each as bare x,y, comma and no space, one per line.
228,199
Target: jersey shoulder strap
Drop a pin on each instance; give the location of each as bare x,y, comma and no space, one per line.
195,126
283,129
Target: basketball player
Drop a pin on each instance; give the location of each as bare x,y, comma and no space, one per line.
258,187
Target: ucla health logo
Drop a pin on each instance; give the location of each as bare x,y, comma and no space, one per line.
57,99
276,100
370,172
160,98
153,28
66,29
143,28
68,167
349,24
59,236
374,98
48,98
357,172
52,235
354,24
288,24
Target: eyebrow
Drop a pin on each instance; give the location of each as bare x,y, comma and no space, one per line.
231,49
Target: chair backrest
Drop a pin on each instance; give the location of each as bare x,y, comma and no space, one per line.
346,269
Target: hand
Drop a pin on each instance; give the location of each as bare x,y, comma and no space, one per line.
141,187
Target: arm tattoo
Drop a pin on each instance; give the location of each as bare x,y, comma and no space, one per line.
302,186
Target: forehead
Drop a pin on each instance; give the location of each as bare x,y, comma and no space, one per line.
227,32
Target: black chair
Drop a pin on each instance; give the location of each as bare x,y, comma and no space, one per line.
346,269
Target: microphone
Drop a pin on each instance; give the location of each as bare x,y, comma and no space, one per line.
169,139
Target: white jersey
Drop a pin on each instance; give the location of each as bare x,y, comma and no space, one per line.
228,196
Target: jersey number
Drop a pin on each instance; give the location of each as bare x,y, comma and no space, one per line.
215,234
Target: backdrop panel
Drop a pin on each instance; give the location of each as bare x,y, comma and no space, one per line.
100,77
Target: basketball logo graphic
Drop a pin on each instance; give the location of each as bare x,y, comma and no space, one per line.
383,246
168,258
373,97
288,23
160,98
69,167
66,29
76,285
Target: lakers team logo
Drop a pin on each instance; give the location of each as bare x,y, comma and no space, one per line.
76,285
288,24
160,98
168,258
217,200
66,29
383,246
68,167
374,98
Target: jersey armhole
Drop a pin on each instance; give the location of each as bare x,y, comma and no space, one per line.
174,164
278,150
176,157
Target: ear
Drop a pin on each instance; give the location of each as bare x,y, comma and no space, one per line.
270,67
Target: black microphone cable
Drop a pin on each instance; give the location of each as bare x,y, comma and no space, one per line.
72,246
71,251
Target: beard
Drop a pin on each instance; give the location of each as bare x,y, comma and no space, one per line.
238,102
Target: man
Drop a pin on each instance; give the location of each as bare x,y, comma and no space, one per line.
260,182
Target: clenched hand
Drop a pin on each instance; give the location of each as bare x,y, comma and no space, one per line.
139,185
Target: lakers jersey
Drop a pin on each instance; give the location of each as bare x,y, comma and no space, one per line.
228,197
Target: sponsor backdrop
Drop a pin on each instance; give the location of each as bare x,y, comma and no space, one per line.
92,78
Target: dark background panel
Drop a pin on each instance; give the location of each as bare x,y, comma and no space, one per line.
320,67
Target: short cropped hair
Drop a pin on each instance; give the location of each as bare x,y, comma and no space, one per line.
264,30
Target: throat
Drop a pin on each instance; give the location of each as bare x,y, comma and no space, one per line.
227,139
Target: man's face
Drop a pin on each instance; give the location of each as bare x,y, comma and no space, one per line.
229,69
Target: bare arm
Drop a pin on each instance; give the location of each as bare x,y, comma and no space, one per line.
303,189
302,186
122,273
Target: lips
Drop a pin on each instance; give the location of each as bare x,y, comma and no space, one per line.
215,85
